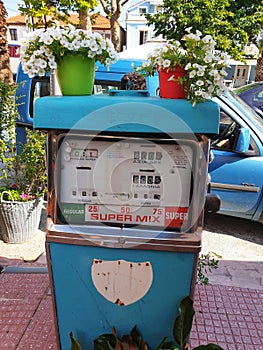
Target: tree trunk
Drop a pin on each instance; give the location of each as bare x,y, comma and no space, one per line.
259,69
5,70
84,20
115,32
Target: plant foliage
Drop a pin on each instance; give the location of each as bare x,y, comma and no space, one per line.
206,263
46,12
22,174
232,23
203,65
134,341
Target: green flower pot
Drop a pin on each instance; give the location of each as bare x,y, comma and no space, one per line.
76,74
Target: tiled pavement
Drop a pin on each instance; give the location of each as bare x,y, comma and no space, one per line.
230,316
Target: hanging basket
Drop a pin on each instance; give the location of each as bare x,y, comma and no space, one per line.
19,221
169,83
75,74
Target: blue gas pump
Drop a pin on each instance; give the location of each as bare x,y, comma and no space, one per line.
127,185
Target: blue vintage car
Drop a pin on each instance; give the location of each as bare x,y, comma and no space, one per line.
237,168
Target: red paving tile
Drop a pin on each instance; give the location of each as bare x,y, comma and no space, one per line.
228,316
232,317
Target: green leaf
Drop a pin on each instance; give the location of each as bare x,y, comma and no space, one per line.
137,339
183,322
105,342
164,345
209,346
74,343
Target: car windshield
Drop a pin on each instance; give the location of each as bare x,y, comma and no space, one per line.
245,109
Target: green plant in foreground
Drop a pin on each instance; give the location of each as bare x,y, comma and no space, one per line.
23,172
181,331
206,263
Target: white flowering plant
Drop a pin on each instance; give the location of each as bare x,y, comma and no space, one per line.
41,49
203,65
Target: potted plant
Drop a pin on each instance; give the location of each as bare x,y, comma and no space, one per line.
192,63
72,52
22,175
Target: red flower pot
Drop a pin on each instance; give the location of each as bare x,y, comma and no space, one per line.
169,84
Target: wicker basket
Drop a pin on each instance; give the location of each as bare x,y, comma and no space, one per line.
19,221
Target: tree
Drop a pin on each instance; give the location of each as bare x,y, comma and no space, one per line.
5,70
44,13
113,10
232,23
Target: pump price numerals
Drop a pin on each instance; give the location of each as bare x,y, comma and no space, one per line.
172,217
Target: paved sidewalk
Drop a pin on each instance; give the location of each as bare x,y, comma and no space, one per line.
229,311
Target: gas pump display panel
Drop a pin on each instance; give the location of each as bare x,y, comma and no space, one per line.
124,182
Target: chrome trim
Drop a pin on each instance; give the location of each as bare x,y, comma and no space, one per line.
244,188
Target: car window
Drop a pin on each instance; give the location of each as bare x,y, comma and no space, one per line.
245,109
228,133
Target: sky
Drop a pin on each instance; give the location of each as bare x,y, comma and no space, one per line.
12,7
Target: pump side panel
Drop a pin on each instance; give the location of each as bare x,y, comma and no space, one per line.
87,313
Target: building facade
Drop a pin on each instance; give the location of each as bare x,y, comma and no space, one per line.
137,30
17,29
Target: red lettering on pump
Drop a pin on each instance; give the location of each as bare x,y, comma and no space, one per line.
94,217
140,218
111,217
175,217
147,218
128,218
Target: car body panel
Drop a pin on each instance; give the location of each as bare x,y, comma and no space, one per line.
237,178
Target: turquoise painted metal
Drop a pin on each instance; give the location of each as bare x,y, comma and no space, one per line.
71,251
82,310
127,111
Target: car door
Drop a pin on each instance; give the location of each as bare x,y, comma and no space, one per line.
235,177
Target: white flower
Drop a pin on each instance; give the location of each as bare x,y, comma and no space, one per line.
52,65
91,54
46,39
200,73
192,74
207,38
42,64
41,72
199,83
146,64
208,58
166,63
205,95
41,48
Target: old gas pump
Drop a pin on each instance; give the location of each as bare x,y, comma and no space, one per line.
127,185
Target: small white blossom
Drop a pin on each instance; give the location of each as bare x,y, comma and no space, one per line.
166,63
40,49
199,83
192,74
